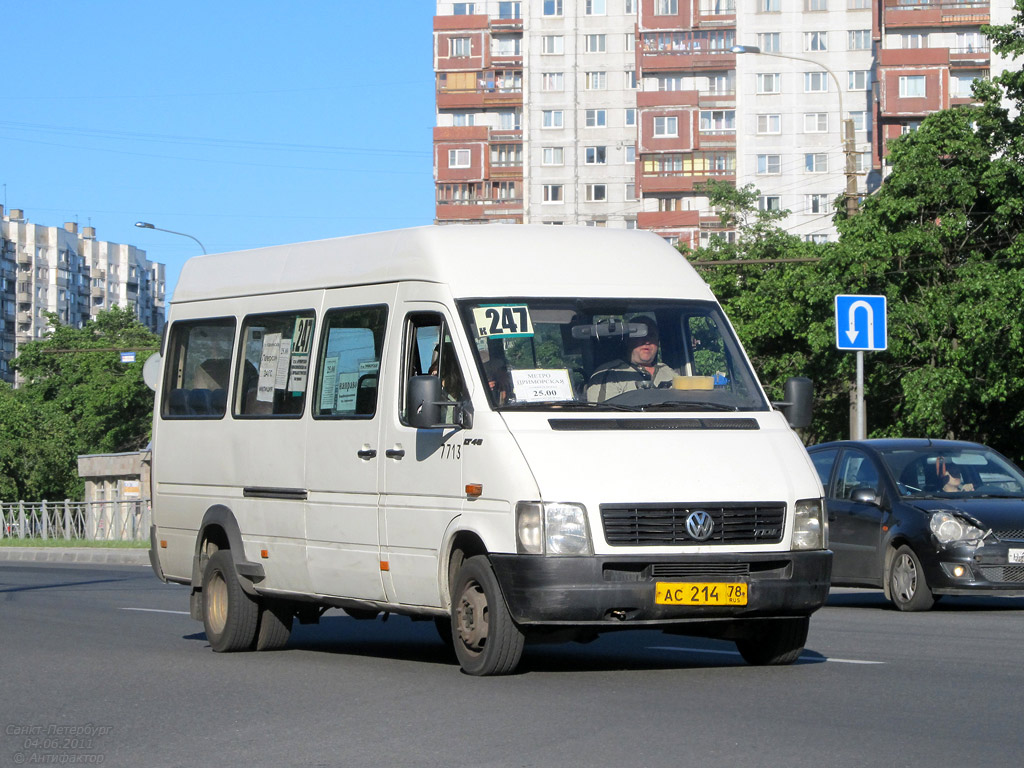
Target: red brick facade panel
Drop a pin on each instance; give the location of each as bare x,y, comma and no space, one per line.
462,50
650,18
913,92
666,130
460,162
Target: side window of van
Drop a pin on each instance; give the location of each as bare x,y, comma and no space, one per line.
349,362
273,369
429,349
197,370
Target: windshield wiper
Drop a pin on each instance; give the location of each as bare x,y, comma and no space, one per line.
568,405
688,406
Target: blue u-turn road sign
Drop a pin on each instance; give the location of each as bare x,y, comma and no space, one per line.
861,323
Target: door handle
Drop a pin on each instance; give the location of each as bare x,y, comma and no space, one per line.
366,453
394,453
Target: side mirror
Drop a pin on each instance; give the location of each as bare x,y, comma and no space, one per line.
797,407
151,371
864,496
424,403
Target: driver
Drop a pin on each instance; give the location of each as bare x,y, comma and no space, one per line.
641,371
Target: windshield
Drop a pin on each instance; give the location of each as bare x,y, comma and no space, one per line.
609,354
929,472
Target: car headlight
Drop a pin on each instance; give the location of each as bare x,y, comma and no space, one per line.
950,529
545,528
810,527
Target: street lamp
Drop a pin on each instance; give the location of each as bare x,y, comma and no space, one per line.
846,124
147,225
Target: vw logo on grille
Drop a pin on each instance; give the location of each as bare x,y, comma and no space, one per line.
699,525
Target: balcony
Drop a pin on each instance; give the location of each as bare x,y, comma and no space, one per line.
956,13
690,50
24,257
458,23
667,219
681,181
667,99
461,133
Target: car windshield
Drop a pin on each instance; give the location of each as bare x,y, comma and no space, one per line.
609,354
930,472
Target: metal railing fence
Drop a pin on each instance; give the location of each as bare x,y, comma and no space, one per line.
112,520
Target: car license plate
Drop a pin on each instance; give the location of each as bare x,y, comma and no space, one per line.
700,593
1017,555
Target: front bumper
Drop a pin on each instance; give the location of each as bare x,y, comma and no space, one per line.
610,590
988,571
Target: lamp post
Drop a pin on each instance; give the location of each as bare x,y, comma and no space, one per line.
846,124
147,225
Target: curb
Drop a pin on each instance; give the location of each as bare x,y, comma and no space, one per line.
94,555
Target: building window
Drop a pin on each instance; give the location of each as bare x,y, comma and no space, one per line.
672,83
630,154
816,122
464,9
630,192
506,46
961,86
769,124
506,155
769,164
630,6
970,42
596,81
721,84
910,127
552,118
769,82
552,156
459,158
769,203
597,43
553,193
552,81
553,44
552,7
912,86
818,239
510,120
914,40
768,42
815,41
862,162
595,118
630,116
817,203
857,5
718,121
666,7
666,126
769,6
815,5
596,193
860,120
860,80
630,42
859,40
815,82
816,162
460,46
595,7
632,83
511,10
595,155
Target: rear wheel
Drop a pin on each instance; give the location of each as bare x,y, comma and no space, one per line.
487,640
774,642
908,588
230,616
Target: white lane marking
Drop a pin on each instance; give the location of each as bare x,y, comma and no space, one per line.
156,610
736,653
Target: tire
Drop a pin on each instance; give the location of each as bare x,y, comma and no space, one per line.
487,641
774,642
908,588
274,625
230,616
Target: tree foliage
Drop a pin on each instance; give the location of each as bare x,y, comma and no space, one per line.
77,398
942,241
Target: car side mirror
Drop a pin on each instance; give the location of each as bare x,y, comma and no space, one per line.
798,403
864,496
425,401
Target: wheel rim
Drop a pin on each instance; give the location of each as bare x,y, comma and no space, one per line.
904,578
217,603
472,617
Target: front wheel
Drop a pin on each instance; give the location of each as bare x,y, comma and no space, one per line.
774,642
487,640
908,588
230,616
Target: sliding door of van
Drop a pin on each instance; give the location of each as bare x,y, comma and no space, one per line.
423,483
343,447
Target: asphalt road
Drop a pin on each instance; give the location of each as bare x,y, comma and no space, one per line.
102,665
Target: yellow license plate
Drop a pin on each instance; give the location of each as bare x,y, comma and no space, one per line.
700,593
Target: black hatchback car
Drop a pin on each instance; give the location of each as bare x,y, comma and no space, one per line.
923,518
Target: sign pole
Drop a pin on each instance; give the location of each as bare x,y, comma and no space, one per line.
861,418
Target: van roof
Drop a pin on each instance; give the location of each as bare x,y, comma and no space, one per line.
474,260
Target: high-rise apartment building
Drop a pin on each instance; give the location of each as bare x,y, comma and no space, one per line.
614,112
71,274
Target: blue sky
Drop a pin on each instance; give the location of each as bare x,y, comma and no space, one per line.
243,124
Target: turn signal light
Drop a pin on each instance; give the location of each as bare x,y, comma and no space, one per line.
474,490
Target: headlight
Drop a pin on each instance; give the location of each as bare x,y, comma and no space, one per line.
950,529
552,529
810,528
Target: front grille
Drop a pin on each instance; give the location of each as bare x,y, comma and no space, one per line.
1003,574
627,525
1015,534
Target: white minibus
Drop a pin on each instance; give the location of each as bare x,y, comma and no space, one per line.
524,433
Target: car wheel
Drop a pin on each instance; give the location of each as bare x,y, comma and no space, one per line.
230,616
487,640
274,625
774,642
908,588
